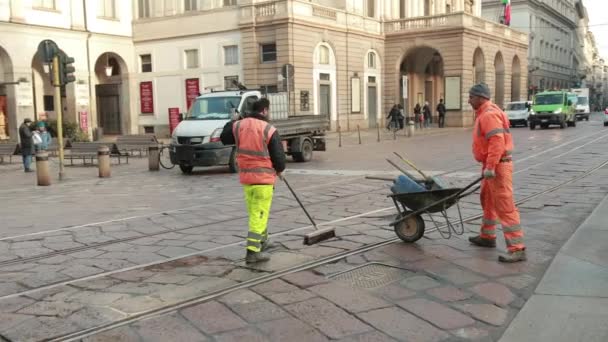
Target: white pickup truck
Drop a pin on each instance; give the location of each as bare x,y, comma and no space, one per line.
196,139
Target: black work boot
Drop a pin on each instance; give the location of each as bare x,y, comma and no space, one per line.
482,242
512,257
253,257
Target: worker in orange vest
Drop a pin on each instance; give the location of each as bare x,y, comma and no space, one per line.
493,147
260,159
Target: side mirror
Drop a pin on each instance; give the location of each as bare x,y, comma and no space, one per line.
181,117
569,103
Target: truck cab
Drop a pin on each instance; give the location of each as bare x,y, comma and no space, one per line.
583,109
196,140
553,108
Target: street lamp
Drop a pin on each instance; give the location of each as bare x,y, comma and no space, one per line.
108,67
46,67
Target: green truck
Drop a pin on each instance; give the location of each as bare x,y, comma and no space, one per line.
553,108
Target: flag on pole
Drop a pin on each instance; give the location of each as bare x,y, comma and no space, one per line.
507,11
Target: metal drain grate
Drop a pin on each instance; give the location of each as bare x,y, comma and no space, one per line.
371,276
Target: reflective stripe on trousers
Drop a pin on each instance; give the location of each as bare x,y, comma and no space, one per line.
258,199
497,202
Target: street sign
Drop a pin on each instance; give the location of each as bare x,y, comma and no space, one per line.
47,50
287,71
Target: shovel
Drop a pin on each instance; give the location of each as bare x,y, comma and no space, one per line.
319,234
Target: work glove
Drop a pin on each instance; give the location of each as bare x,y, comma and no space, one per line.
489,174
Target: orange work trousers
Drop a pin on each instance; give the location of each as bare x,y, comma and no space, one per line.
499,207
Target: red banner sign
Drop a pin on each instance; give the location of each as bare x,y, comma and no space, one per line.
173,119
192,91
84,121
146,97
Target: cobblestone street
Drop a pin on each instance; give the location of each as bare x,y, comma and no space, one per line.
158,256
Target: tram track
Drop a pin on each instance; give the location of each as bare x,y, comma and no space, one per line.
302,267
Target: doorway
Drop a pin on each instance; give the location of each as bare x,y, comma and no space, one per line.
108,107
325,99
372,105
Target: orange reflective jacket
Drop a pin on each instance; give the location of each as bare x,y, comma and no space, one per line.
492,141
251,137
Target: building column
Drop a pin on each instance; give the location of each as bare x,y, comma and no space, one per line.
17,12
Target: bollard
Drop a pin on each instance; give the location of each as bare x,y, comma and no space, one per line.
359,133
378,129
103,161
339,136
410,128
153,158
42,168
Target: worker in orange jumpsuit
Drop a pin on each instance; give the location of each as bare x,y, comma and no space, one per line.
493,147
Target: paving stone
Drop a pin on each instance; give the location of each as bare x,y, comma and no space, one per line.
81,271
291,297
55,260
240,335
328,318
122,334
10,288
363,239
259,311
168,328
449,294
290,329
457,276
419,283
351,299
91,316
488,268
172,252
59,309
105,264
170,278
496,293
471,333
243,274
518,282
39,329
10,320
95,298
279,261
212,318
437,314
404,252
133,275
95,284
132,305
305,279
444,252
14,303
402,325
90,253
274,286
429,264
487,313
241,297
348,245
210,270
355,260
368,337
394,292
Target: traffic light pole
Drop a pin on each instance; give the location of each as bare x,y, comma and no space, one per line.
58,110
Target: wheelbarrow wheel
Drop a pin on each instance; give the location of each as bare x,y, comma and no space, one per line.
411,229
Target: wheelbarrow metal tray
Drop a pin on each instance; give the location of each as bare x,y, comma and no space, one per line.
432,201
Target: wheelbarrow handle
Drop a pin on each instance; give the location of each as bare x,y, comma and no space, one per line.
477,181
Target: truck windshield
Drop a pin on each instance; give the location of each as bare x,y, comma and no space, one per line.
213,108
516,106
549,99
582,101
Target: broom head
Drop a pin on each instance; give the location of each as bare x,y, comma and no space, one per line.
319,235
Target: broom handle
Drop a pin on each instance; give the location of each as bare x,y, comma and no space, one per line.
300,203
412,165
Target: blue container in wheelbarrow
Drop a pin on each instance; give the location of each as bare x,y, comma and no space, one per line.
404,184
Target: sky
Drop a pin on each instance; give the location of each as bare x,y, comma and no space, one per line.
598,23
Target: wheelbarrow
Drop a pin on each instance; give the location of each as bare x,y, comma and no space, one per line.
409,224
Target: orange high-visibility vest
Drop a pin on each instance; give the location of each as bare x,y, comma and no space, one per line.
492,122
251,137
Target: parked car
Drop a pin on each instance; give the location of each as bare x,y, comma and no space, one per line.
518,112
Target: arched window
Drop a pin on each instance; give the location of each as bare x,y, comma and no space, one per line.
371,60
323,54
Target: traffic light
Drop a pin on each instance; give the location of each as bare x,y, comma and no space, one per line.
66,69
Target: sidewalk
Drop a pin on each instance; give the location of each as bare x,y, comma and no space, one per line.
371,135
571,301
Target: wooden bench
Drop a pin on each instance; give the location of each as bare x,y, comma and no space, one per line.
129,144
7,150
88,151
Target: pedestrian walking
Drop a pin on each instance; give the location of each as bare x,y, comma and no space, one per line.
393,118
426,111
418,116
493,147
261,158
401,116
27,144
441,112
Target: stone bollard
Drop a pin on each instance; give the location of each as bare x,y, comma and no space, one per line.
153,158
42,168
103,161
411,127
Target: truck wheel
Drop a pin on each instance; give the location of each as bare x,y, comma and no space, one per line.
544,126
562,124
587,118
232,164
186,169
532,126
306,154
573,123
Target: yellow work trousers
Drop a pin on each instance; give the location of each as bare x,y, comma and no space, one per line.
258,199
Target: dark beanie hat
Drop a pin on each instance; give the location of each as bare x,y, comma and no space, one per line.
481,90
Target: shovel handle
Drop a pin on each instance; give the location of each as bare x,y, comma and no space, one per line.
299,202
412,166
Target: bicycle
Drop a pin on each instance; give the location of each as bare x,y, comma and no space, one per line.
166,157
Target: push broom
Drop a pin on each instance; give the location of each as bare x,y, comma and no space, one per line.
319,234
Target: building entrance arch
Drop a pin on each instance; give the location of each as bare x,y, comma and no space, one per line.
111,93
423,67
